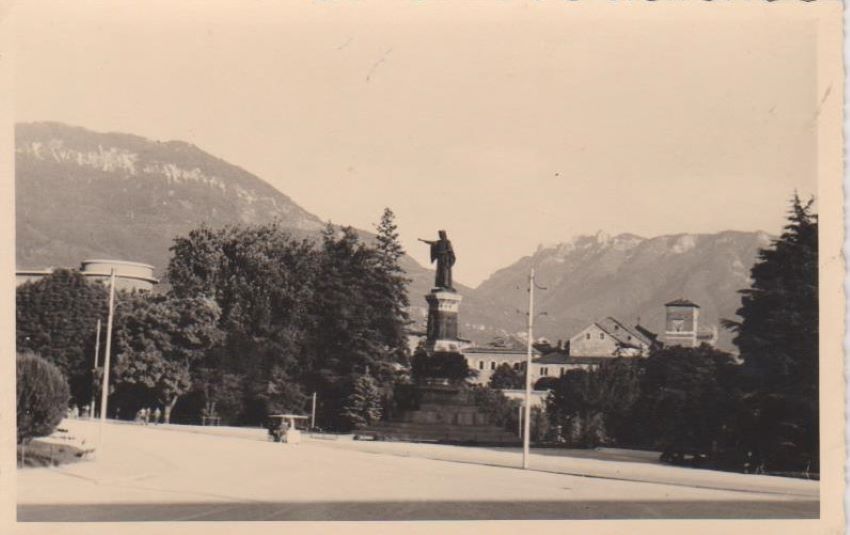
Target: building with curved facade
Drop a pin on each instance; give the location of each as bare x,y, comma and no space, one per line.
128,275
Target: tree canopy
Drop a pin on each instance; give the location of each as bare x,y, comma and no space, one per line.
505,376
297,316
56,318
158,342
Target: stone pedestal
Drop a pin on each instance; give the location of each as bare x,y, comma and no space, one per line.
443,306
444,413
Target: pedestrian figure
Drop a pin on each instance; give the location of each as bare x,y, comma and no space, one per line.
146,414
156,414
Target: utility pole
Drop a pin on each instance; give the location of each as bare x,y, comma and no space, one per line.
519,420
313,413
94,371
105,387
527,418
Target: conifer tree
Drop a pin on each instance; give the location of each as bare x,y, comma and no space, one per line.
778,340
363,405
391,290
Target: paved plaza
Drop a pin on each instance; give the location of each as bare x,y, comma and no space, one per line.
186,473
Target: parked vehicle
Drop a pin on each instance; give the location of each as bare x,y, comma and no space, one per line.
285,428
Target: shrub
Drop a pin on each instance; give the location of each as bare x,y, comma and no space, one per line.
501,410
441,365
42,397
505,377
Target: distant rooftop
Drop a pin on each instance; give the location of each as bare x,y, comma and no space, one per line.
681,302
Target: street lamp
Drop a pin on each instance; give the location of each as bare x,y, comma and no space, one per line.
105,387
526,438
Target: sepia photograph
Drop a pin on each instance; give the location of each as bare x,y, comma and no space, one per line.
417,265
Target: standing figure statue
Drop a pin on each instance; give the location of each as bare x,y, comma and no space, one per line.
444,255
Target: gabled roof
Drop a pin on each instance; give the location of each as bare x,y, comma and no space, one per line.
681,302
646,333
622,334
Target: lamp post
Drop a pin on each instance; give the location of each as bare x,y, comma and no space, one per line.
527,416
94,371
104,394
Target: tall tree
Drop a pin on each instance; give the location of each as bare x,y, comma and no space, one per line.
263,281
778,332
344,339
390,288
159,339
56,317
778,340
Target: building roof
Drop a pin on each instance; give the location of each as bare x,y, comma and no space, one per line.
116,262
681,302
622,334
561,358
499,350
646,332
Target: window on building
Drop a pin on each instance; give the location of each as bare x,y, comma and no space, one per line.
588,336
563,371
602,336
492,364
544,372
480,364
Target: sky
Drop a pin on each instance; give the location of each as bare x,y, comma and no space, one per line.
508,124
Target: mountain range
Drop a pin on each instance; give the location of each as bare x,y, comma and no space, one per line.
625,276
83,194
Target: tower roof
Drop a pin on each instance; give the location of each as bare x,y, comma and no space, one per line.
681,302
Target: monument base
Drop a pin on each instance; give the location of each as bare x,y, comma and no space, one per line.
445,413
443,306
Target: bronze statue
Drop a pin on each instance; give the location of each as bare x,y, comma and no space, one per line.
442,252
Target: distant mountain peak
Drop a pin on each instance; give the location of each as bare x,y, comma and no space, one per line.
623,276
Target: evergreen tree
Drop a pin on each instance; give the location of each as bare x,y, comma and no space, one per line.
778,340
363,405
778,332
390,290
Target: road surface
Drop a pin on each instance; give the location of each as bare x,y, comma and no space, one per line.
169,473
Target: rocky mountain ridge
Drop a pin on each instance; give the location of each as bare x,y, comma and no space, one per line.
625,276
82,194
